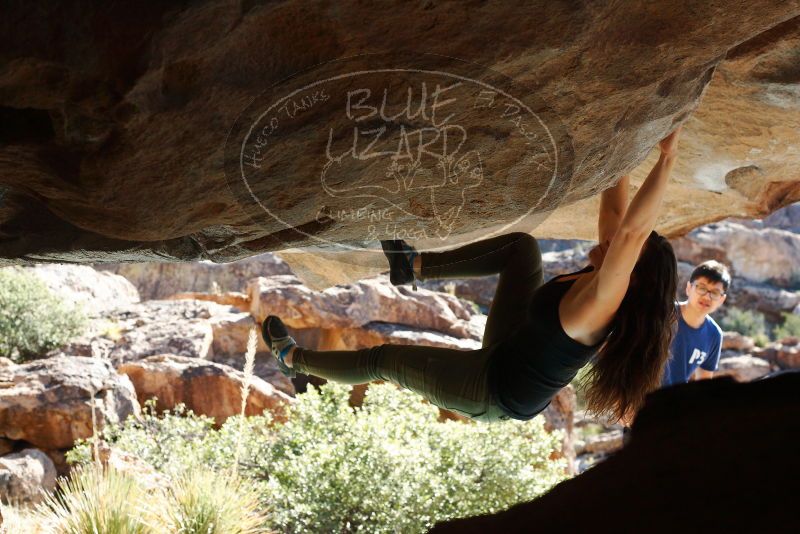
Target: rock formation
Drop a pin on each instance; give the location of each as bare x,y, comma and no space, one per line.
205,388
743,368
735,159
356,305
156,281
784,219
54,402
120,121
94,291
183,327
758,255
25,476
724,451
788,353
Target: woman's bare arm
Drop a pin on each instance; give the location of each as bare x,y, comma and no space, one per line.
585,315
613,204
640,219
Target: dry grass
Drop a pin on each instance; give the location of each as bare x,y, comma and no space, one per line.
19,521
249,361
93,500
206,502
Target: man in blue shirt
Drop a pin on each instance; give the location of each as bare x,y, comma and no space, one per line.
695,350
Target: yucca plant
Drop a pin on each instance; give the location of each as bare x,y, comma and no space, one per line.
95,500
202,501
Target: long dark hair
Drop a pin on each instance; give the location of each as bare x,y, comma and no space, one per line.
631,362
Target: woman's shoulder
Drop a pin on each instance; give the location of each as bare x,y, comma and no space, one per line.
582,316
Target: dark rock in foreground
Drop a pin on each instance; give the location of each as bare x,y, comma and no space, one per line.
709,456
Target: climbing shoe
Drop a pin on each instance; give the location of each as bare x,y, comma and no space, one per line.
401,261
279,342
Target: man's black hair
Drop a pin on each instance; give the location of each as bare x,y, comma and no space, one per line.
713,271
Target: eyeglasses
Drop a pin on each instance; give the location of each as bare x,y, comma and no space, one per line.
703,290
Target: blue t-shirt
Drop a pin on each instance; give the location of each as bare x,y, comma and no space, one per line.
692,348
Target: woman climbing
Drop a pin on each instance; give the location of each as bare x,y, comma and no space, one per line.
619,308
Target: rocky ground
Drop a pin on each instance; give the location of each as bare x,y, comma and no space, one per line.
188,348
180,332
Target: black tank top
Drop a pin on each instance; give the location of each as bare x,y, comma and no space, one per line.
539,358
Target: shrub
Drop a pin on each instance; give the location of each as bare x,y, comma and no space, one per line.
389,466
32,319
174,441
392,467
746,322
789,328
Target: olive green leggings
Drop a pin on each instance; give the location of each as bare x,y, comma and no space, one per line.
453,379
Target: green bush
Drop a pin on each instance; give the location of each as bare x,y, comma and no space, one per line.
32,319
175,441
789,328
389,466
392,467
747,322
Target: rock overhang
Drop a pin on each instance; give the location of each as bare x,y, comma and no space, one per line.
118,153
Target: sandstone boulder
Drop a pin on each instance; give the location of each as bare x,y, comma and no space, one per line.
788,353
743,368
157,281
265,367
358,304
376,333
50,403
787,218
25,476
737,342
478,290
234,299
120,156
768,353
92,290
206,388
604,443
760,255
231,331
769,300
153,327
200,328
59,459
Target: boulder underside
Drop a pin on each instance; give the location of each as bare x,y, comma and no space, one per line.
218,131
